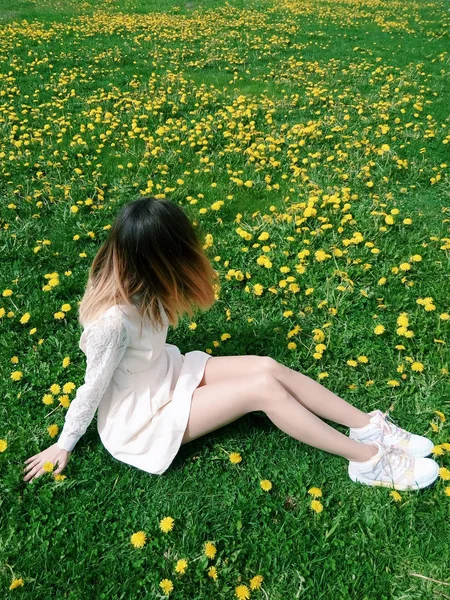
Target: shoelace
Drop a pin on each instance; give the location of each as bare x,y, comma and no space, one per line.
390,428
395,459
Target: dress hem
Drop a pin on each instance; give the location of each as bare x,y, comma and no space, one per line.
172,418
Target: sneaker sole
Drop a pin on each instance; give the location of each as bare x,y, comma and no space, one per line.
357,478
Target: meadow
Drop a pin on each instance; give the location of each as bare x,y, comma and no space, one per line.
308,140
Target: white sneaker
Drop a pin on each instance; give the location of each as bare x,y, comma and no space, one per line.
382,429
392,467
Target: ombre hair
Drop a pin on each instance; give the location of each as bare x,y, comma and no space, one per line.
152,253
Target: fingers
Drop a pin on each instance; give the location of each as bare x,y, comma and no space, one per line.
30,459
35,469
31,465
36,472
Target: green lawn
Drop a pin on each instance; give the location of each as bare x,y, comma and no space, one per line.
324,124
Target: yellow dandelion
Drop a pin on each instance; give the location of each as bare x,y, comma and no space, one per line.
235,457
403,320
438,450
166,524
316,506
396,496
440,415
446,446
210,550
3,445
266,485
48,467
444,473
315,491
447,490
256,581
212,572
393,383
417,366
379,329
53,430
138,539
16,375
181,565
16,583
166,585
242,592
434,427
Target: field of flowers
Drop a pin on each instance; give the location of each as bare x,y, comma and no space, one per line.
309,142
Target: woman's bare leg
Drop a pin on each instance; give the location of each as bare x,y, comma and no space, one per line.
217,404
311,394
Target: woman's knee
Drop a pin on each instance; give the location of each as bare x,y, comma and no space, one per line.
268,389
270,366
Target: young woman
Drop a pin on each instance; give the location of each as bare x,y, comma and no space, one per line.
151,399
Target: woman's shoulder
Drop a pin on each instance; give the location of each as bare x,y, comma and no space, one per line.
115,317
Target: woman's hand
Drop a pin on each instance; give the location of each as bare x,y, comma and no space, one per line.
53,454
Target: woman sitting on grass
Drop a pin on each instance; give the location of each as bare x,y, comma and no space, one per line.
151,399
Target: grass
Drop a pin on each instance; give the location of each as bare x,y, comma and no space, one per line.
270,108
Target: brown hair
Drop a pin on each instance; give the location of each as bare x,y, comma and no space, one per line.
152,253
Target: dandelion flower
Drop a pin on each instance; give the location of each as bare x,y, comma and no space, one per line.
393,383
315,491
181,565
255,582
379,329
210,550
3,445
16,583
266,485
444,473
417,366
235,457
138,539
316,506
242,592
396,496
166,524
166,585
440,415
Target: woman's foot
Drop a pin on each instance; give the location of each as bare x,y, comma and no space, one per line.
392,467
382,429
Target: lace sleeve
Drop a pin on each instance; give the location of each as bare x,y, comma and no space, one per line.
106,341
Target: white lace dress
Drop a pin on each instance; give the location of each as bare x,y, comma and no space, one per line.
141,385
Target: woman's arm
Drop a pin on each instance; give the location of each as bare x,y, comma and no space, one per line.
106,341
